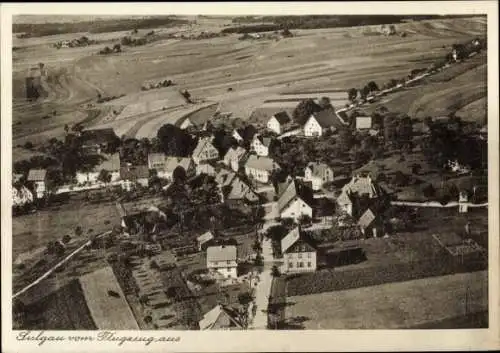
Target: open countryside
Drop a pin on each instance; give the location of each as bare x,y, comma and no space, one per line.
242,173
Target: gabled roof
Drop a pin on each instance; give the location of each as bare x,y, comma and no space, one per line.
97,136
293,191
344,199
292,238
362,186
318,169
203,144
205,237
173,162
235,153
327,118
111,163
221,253
37,174
366,219
261,163
240,190
214,318
181,121
247,133
266,141
134,172
282,117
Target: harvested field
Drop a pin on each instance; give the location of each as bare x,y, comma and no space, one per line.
256,70
393,306
110,311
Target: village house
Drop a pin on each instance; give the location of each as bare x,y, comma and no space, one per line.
38,177
132,175
172,163
111,163
279,122
354,191
235,157
260,145
203,240
295,200
233,189
222,259
260,168
224,178
97,141
321,122
221,317
21,196
205,151
157,162
299,252
363,122
184,123
318,174
245,134
206,168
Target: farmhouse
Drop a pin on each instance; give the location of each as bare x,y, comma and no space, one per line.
96,141
279,122
222,259
234,158
38,177
260,145
320,123
295,200
299,252
221,317
245,134
359,187
111,163
318,174
260,168
363,122
204,239
132,175
205,151
172,163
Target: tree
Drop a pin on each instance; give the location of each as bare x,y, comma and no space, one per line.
365,92
372,86
275,272
324,103
256,246
400,179
179,175
304,110
28,145
175,141
259,260
352,93
66,239
416,168
244,298
429,191
104,176
117,48
78,231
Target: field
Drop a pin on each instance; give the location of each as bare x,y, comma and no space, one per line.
110,312
393,306
313,63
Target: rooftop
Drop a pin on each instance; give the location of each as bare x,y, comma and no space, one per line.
282,117
261,163
134,172
327,118
37,174
98,136
295,189
221,253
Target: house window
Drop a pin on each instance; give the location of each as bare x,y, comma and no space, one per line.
308,264
228,262
300,264
309,255
290,264
299,255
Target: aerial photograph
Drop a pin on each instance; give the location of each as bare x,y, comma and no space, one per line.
251,172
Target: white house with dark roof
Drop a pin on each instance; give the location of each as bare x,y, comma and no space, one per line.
222,259
318,174
295,200
234,157
205,151
260,145
321,122
299,252
111,163
131,175
39,179
278,122
260,168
